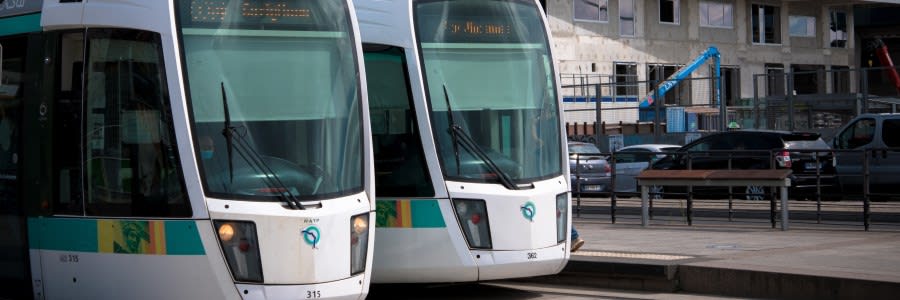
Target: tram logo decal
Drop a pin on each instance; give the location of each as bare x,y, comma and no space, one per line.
311,236
528,211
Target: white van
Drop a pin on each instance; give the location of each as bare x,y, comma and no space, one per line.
878,132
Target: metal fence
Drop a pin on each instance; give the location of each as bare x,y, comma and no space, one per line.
822,202
820,100
606,109
600,107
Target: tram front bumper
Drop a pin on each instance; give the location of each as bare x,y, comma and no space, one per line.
520,263
355,287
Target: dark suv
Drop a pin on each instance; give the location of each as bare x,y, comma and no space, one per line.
758,149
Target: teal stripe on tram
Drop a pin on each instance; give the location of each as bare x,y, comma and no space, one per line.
426,214
408,213
182,238
122,236
63,234
20,24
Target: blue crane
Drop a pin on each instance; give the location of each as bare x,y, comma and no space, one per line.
684,72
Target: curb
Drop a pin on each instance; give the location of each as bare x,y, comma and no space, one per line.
697,276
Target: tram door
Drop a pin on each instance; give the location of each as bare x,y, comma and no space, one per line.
14,274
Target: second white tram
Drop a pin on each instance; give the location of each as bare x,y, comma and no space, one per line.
467,138
184,149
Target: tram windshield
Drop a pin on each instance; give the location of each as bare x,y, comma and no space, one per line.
274,93
490,83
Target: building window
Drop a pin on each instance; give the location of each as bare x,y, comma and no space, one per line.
838,28
840,80
626,79
766,23
680,94
731,84
716,14
669,11
775,80
591,10
802,26
808,79
626,17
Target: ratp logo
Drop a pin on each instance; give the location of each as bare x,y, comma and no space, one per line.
311,236
528,211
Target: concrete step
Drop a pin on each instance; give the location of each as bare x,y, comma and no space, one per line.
717,280
710,276
618,270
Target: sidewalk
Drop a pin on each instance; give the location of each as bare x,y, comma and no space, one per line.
737,260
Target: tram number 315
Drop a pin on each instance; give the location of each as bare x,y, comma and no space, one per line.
313,294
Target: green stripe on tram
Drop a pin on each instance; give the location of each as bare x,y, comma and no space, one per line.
408,213
123,236
20,24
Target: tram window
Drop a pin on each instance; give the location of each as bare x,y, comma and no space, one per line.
67,124
14,274
131,165
399,159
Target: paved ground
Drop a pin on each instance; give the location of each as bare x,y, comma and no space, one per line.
800,259
838,252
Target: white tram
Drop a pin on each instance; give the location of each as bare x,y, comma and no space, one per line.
186,149
468,141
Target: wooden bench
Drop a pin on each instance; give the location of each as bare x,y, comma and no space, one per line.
775,178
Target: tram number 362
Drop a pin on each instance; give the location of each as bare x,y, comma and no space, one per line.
313,294
532,255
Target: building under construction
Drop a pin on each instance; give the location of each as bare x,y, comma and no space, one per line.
807,54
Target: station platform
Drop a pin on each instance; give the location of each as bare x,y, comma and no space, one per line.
736,261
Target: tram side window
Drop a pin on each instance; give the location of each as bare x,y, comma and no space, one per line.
66,121
132,167
11,86
399,159
114,146
14,260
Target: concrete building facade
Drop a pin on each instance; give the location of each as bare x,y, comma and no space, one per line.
649,39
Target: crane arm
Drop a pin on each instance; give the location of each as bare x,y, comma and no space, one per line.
881,50
684,72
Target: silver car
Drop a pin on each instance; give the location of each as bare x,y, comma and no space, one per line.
874,132
631,160
588,168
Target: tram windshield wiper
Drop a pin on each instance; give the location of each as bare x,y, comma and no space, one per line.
452,132
253,158
461,137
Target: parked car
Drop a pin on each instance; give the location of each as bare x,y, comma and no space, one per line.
752,149
869,132
631,160
588,168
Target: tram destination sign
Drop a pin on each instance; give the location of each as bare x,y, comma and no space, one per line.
19,7
478,29
272,11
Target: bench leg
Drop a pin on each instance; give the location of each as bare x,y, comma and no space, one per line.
645,205
784,208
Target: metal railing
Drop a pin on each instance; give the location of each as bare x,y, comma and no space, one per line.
824,200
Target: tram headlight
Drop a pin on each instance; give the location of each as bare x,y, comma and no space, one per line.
473,219
241,249
359,242
226,232
562,214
